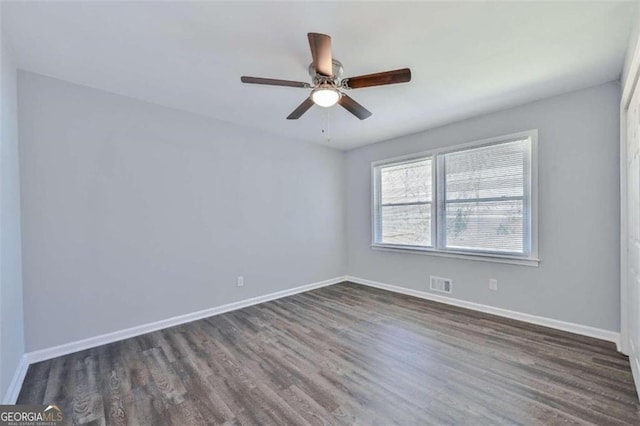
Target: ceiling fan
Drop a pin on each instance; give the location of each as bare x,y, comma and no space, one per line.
328,84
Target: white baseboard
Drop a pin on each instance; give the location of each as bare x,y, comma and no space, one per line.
16,382
634,360
91,342
584,330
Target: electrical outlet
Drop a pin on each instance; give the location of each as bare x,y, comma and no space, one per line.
493,284
240,281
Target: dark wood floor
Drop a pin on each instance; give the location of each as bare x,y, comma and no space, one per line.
344,354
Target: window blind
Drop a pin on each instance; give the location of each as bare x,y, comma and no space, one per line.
485,198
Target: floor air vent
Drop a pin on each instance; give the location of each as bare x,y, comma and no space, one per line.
442,285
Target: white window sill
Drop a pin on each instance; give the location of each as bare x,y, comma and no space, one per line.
484,257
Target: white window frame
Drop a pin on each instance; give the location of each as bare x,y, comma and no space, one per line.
530,209
377,207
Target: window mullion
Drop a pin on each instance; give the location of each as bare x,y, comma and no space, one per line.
486,199
413,203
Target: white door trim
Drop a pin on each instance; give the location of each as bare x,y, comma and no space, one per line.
628,88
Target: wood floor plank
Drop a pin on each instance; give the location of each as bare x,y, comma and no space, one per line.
164,377
341,355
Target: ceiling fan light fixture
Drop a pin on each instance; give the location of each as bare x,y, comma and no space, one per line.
325,95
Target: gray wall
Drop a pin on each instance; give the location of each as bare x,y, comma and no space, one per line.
578,278
134,212
633,40
11,316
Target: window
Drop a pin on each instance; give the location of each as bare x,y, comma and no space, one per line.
473,200
405,203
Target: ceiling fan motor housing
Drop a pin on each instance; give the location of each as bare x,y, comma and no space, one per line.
335,79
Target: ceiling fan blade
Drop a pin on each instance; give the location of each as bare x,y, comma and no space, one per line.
353,107
321,51
379,79
302,108
274,82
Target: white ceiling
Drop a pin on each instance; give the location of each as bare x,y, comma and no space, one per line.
467,58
